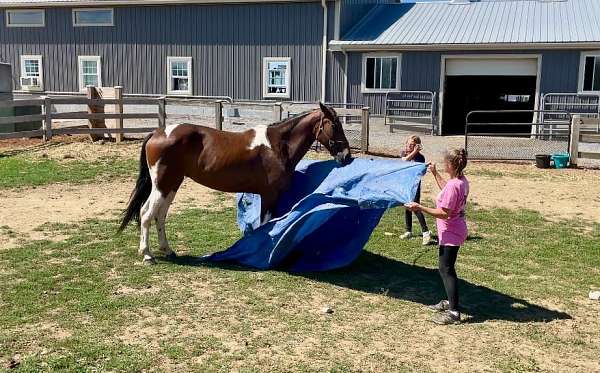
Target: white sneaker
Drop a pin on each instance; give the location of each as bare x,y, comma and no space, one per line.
406,236
427,238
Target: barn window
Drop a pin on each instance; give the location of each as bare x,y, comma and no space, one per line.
179,75
276,77
380,73
25,18
89,72
92,17
591,73
31,73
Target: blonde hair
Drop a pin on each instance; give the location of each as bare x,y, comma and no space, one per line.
458,160
414,138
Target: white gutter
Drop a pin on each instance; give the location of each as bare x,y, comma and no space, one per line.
324,66
341,46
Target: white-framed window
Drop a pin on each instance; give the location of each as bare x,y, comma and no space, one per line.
25,18
381,73
589,74
179,75
31,73
89,71
93,17
276,77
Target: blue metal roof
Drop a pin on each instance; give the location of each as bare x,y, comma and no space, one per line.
489,22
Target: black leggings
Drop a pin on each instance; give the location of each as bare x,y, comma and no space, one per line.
447,257
420,217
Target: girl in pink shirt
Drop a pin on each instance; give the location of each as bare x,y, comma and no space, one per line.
452,229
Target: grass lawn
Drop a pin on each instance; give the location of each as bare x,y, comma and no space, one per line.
85,303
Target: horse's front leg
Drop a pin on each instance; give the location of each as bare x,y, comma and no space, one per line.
268,203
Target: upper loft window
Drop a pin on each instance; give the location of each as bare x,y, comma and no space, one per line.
380,73
590,81
93,17
276,77
25,18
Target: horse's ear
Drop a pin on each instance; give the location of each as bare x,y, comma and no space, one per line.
326,110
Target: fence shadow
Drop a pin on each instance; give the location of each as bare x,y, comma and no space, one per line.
377,274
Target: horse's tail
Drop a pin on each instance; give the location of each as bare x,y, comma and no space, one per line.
141,192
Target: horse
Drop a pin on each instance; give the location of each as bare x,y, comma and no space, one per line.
261,160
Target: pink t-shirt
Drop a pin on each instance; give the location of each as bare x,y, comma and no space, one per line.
453,231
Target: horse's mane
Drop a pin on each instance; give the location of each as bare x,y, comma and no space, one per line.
287,120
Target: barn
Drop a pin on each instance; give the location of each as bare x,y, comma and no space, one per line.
473,55
450,56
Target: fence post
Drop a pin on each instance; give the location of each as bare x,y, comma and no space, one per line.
47,124
92,94
574,140
277,111
364,139
219,115
162,112
119,110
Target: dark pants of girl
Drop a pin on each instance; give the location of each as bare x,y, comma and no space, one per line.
447,258
420,217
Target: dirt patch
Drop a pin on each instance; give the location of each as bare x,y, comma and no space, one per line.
25,211
556,194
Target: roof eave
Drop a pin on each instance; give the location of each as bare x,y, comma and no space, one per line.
58,4
339,47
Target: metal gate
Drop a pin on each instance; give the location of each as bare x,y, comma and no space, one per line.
411,110
513,143
584,105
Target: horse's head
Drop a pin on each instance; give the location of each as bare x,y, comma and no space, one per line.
331,134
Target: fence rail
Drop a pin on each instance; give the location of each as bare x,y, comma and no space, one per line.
96,115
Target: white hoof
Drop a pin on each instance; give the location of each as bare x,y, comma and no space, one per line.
148,260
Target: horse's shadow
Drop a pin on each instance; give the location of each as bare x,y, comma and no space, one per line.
377,274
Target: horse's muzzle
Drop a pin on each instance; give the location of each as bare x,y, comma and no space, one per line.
344,157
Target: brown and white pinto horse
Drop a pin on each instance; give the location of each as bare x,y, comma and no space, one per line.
260,161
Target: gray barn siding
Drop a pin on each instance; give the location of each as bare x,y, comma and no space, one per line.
227,44
421,72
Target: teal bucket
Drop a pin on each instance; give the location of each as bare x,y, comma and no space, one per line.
561,160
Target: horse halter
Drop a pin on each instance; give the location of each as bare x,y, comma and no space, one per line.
321,131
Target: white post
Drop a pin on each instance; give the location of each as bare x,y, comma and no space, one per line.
47,124
119,110
574,141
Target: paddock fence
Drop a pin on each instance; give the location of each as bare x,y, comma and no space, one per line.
505,140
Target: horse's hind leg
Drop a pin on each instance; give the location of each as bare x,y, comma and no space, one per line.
149,211
160,224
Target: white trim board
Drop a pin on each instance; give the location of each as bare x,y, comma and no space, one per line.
104,3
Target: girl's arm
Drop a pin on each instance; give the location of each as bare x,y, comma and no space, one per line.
411,155
438,178
439,213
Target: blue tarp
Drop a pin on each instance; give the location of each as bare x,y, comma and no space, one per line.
324,220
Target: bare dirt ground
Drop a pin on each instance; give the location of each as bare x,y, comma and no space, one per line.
556,194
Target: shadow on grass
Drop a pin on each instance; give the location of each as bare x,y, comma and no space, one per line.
377,274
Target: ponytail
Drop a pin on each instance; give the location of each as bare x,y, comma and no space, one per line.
458,160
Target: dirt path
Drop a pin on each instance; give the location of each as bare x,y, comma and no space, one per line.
25,211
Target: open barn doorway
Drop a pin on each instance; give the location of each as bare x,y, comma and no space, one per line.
488,84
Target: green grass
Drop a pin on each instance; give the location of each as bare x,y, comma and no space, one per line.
85,303
19,171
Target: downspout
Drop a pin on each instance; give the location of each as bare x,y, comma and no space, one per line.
324,63
345,76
